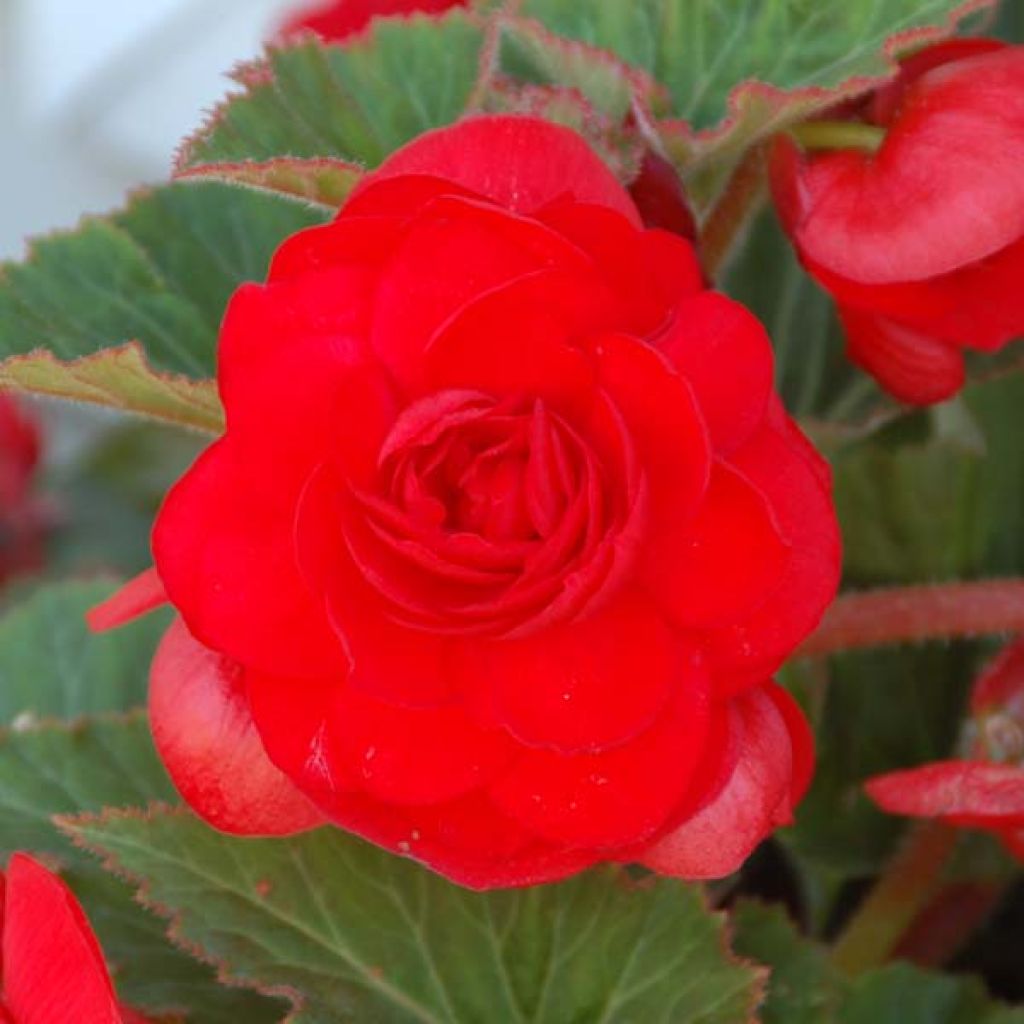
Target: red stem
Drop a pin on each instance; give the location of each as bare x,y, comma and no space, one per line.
875,618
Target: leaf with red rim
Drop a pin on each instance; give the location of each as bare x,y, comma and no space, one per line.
410,946
157,273
356,103
729,73
322,182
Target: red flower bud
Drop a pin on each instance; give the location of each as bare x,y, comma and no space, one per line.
505,538
922,242
52,967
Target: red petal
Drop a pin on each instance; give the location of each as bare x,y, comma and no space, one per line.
619,797
911,366
1013,839
276,357
966,792
413,755
724,353
781,463
206,738
386,660
138,596
513,341
522,163
53,967
722,563
945,189
664,422
583,686
224,547
647,270
1001,685
756,799
483,247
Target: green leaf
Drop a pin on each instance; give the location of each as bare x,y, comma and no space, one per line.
357,103
92,765
805,989
901,994
736,71
357,934
803,986
160,273
52,666
322,182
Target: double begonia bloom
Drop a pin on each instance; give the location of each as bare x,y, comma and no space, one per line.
341,19
52,969
507,533
921,243
987,790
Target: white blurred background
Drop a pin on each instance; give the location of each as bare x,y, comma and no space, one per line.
95,96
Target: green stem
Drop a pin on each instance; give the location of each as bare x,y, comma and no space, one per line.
738,200
839,135
906,887
891,615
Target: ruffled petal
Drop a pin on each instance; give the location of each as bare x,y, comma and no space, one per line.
911,366
483,247
53,967
582,686
725,355
205,735
224,548
514,341
619,797
649,271
413,755
724,562
944,191
796,480
756,799
963,792
664,423
521,163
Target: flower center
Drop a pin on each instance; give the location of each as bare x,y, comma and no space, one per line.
491,516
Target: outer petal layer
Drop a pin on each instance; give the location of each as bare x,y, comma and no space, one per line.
205,735
768,777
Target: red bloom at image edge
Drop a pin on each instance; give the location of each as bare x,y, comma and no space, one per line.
24,519
52,967
986,791
340,20
507,533
922,243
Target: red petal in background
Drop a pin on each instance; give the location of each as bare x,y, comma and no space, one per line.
53,967
964,792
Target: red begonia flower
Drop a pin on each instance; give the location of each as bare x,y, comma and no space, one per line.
987,791
51,969
23,517
922,243
341,19
507,533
